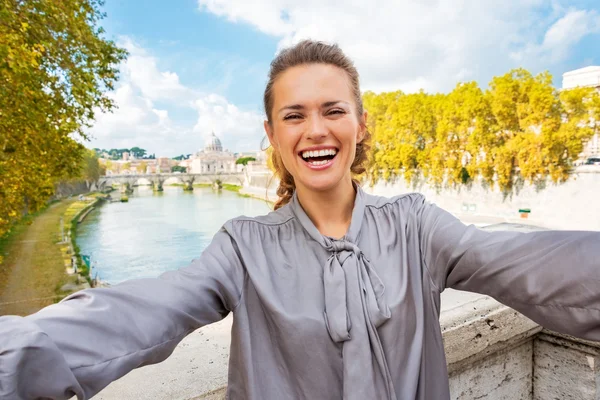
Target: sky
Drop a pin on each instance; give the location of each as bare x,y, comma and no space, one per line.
200,66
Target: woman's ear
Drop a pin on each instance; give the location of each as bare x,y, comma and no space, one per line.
269,132
363,128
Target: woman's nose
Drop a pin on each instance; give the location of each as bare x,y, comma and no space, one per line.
317,128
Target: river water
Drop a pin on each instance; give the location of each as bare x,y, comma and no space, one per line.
157,232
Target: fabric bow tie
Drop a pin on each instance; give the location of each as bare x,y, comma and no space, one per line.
337,318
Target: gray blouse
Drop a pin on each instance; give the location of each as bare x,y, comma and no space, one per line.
314,317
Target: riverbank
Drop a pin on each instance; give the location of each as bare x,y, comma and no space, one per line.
268,196
224,186
72,259
36,257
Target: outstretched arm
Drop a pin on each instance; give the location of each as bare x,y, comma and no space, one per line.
93,337
552,277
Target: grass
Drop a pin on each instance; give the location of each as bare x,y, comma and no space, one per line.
226,186
71,216
34,265
233,188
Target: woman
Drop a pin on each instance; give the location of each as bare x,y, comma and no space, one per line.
335,295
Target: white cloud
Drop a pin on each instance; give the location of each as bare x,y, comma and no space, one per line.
406,44
562,36
141,70
242,129
139,121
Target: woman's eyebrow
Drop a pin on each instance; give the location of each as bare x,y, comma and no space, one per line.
297,107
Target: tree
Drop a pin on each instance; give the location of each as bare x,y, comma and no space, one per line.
55,69
142,166
520,129
244,160
91,169
109,165
178,168
137,152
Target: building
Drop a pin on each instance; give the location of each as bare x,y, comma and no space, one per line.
585,77
212,159
163,165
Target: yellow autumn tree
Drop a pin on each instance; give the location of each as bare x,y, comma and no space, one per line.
520,129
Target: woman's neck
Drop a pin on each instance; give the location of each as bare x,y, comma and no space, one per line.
329,211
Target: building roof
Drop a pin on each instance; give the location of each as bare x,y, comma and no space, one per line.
585,77
213,143
587,70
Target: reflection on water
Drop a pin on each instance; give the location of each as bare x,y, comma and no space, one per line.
157,232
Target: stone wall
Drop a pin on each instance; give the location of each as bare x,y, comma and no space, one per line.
262,185
572,205
515,359
66,189
496,353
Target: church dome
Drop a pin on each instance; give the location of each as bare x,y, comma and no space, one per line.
213,144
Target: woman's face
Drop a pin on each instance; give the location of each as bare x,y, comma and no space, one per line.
315,127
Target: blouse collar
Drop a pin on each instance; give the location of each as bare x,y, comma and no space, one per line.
353,232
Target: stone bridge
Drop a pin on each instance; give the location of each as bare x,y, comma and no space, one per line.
127,181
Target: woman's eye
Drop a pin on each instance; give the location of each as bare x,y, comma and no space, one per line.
292,116
336,111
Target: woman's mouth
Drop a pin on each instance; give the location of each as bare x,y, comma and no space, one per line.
319,159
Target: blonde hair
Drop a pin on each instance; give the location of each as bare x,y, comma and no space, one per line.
312,52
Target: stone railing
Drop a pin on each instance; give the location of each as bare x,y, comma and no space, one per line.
494,352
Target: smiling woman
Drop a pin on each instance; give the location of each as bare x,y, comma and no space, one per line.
299,123
334,295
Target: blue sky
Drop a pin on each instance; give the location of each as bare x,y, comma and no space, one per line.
201,65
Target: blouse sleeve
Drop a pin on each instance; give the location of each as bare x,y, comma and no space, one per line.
93,337
552,277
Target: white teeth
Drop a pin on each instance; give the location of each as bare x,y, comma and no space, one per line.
319,153
318,162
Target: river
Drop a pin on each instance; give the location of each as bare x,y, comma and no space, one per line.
157,232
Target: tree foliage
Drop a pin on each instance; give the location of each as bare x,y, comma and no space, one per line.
182,157
520,129
117,154
244,160
91,168
55,69
178,168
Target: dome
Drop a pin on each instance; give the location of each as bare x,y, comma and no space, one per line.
213,144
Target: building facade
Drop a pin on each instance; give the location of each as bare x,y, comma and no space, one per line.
212,159
585,77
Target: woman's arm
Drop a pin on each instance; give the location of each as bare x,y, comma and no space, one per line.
552,277
93,337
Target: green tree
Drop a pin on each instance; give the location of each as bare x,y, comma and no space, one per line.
55,69
137,152
178,168
244,160
91,169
